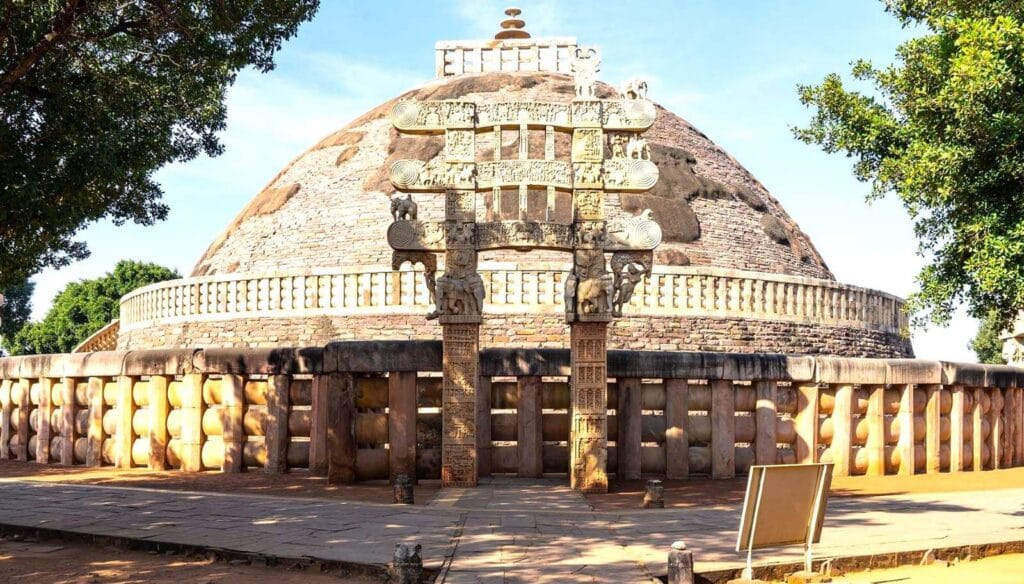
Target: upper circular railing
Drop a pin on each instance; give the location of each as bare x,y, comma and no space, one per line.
668,292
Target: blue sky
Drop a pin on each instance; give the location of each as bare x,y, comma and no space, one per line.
730,68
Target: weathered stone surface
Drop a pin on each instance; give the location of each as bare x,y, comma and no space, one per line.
845,370
533,330
374,356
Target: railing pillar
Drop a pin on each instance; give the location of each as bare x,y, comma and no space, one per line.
341,435
233,410
1019,423
6,407
978,441
483,427
677,442
159,408
908,462
192,422
766,423
402,424
876,430
956,429
996,424
933,429
529,422
275,430
806,422
318,426
723,429
629,441
45,411
125,414
69,414
24,403
842,431
94,450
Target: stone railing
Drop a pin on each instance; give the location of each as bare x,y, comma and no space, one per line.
671,414
669,292
462,57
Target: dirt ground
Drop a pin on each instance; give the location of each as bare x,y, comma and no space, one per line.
1008,569
58,562
294,484
703,492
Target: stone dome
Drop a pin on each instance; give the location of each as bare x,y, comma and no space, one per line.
307,261
329,207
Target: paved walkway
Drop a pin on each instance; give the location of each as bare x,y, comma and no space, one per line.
539,541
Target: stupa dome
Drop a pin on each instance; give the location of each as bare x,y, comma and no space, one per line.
329,207
307,260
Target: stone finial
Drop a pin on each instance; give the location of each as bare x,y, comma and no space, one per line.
654,495
512,27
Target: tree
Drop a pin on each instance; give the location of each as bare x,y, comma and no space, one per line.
943,129
85,307
986,344
15,310
95,96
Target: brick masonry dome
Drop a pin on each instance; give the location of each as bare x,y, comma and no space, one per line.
329,207
307,260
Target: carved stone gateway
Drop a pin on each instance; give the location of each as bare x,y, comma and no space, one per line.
607,154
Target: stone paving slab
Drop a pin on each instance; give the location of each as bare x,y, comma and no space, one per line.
283,527
495,543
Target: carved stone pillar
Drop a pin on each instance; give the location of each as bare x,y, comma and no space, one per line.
461,338
588,441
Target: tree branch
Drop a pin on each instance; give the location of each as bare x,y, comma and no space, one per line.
62,23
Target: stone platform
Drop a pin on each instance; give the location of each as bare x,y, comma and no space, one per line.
519,533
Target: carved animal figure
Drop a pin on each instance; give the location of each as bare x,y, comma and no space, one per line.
635,88
637,148
404,209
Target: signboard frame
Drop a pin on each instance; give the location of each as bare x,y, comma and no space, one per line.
784,505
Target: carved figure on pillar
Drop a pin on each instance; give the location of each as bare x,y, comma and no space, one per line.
585,65
595,286
628,268
460,290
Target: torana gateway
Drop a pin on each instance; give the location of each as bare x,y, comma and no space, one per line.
513,269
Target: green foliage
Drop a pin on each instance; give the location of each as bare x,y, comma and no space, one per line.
85,307
986,344
15,312
943,128
97,95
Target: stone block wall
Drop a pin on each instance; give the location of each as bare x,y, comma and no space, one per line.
535,331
